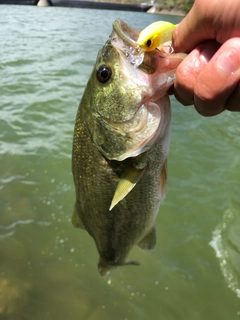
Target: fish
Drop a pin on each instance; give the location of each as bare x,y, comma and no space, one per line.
120,147
155,34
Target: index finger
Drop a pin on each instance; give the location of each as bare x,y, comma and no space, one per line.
196,27
207,20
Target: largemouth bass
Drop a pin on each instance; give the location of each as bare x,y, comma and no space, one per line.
120,146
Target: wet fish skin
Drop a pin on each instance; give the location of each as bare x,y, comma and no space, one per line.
96,178
104,152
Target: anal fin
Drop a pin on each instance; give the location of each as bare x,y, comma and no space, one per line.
149,241
76,221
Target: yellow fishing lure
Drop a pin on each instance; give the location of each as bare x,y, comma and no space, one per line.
155,35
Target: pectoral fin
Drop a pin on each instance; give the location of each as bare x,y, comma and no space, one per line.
149,241
163,180
127,182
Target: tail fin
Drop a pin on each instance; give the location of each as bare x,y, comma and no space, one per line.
105,267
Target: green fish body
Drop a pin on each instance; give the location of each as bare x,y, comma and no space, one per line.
120,147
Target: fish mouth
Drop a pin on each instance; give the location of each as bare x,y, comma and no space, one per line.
128,34
124,38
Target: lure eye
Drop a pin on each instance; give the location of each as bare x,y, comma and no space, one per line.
149,43
104,73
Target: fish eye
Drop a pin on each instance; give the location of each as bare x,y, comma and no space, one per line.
104,73
149,43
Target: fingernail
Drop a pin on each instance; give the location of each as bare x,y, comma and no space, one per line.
229,62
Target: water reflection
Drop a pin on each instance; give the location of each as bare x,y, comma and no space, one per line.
226,243
47,267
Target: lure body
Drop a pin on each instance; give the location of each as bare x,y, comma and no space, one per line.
154,35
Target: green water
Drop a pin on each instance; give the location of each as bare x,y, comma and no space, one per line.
47,268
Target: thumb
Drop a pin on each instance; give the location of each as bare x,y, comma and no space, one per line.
217,86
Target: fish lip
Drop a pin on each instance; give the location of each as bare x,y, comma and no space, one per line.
128,34
123,39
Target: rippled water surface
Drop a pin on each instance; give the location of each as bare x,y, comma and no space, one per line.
48,268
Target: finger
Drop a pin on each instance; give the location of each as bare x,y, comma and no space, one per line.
195,28
218,79
207,20
188,71
233,103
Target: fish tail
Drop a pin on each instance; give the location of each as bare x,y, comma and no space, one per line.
105,267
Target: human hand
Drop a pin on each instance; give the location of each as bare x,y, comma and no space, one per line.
209,77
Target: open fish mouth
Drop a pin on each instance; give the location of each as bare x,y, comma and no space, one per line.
124,38
128,34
